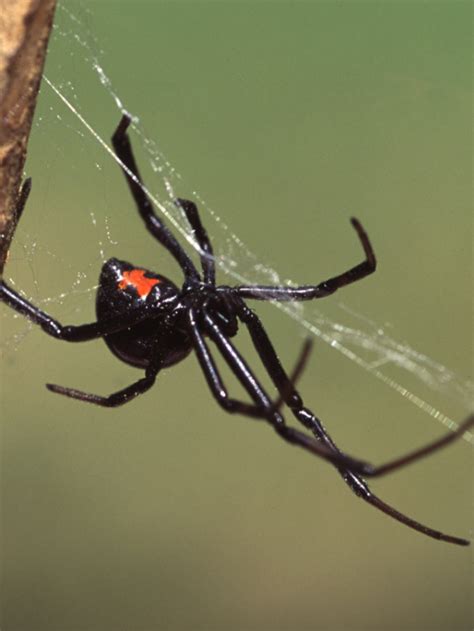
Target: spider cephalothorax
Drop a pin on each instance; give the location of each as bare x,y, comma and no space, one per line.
146,321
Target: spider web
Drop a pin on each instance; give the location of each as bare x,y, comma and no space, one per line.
69,104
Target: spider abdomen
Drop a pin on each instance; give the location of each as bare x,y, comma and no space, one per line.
138,345
124,289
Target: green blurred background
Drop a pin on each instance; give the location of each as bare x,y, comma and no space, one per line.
168,513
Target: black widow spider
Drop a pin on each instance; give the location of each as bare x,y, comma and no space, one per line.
146,321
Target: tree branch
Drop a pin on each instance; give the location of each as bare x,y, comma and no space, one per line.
25,26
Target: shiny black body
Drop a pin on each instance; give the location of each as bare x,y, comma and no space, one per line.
136,345
149,323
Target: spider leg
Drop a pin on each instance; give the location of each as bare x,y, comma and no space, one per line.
347,467
267,409
213,378
361,489
327,287
112,400
116,398
270,360
68,333
207,255
154,225
216,384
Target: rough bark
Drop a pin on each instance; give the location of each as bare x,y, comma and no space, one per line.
25,26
